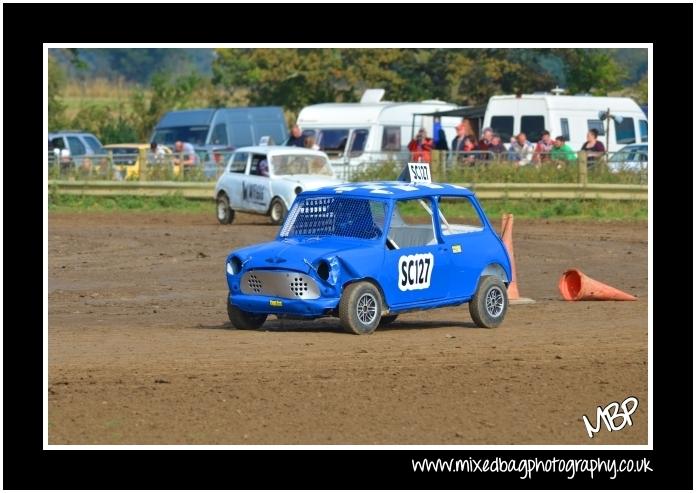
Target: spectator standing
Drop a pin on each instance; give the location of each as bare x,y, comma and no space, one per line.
420,147
595,149
296,138
458,141
485,143
522,150
185,155
562,151
542,151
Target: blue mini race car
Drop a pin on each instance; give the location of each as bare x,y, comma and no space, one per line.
366,252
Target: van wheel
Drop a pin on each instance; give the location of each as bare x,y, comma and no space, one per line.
387,319
277,211
360,308
224,214
489,304
244,320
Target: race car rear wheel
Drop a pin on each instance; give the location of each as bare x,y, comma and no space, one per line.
387,319
360,308
277,211
224,214
489,304
244,320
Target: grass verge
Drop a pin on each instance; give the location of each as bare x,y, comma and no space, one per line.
533,209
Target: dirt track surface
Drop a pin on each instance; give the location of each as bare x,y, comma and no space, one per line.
141,351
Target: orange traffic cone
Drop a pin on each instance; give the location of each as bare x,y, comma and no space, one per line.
506,235
576,286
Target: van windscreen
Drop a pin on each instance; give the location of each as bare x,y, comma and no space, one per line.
333,141
192,134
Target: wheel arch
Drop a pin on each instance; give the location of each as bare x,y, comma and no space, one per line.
375,283
497,270
270,204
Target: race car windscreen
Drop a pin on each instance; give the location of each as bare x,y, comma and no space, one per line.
335,216
289,164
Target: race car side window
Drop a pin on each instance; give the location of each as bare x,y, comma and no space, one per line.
411,224
238,162
458,216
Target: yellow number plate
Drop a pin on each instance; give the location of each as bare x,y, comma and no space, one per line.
276,303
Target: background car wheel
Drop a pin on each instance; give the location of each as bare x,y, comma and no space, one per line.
387,319
224,214
244,320
278,211
360,308
489,304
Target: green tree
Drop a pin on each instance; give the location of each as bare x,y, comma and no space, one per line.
56,83
592,70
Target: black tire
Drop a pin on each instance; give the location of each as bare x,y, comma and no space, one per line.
489,304
244,320
360,308
387,319
224,214
277,211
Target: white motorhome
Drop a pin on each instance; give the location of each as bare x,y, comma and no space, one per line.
569,116
371,130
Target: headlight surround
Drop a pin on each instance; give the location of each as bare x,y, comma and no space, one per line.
234,266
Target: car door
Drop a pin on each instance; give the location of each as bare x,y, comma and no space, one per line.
416,265
255,190
467,242
234,177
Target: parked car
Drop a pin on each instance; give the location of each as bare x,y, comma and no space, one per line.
632,157
130,160
266,179
73,148
367,252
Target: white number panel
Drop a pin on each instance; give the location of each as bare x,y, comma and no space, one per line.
415,271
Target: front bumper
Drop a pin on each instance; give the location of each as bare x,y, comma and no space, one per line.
270,305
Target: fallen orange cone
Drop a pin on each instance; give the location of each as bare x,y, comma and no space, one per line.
576,286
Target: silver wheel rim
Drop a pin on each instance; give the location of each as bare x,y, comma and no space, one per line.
276,211
367,309
494,302
221,210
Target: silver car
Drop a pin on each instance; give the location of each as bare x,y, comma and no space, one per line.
266,179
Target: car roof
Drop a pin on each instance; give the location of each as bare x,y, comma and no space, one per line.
392,190
276,149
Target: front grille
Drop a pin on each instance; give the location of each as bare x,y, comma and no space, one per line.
255,284
283,284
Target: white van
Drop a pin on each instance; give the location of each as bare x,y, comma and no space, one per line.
569,116
371,130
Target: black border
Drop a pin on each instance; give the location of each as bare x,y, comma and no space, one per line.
26,27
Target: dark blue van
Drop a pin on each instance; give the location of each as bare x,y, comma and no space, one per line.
221,129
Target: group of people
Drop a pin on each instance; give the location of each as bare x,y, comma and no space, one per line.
466,149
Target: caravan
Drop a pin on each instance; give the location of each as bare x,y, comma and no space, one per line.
371,130
569,116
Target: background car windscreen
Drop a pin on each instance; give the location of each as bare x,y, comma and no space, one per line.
124,155
335,216
193,135
300,165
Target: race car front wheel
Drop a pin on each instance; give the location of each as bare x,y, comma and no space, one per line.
360,308
224,214
489,304
244,320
